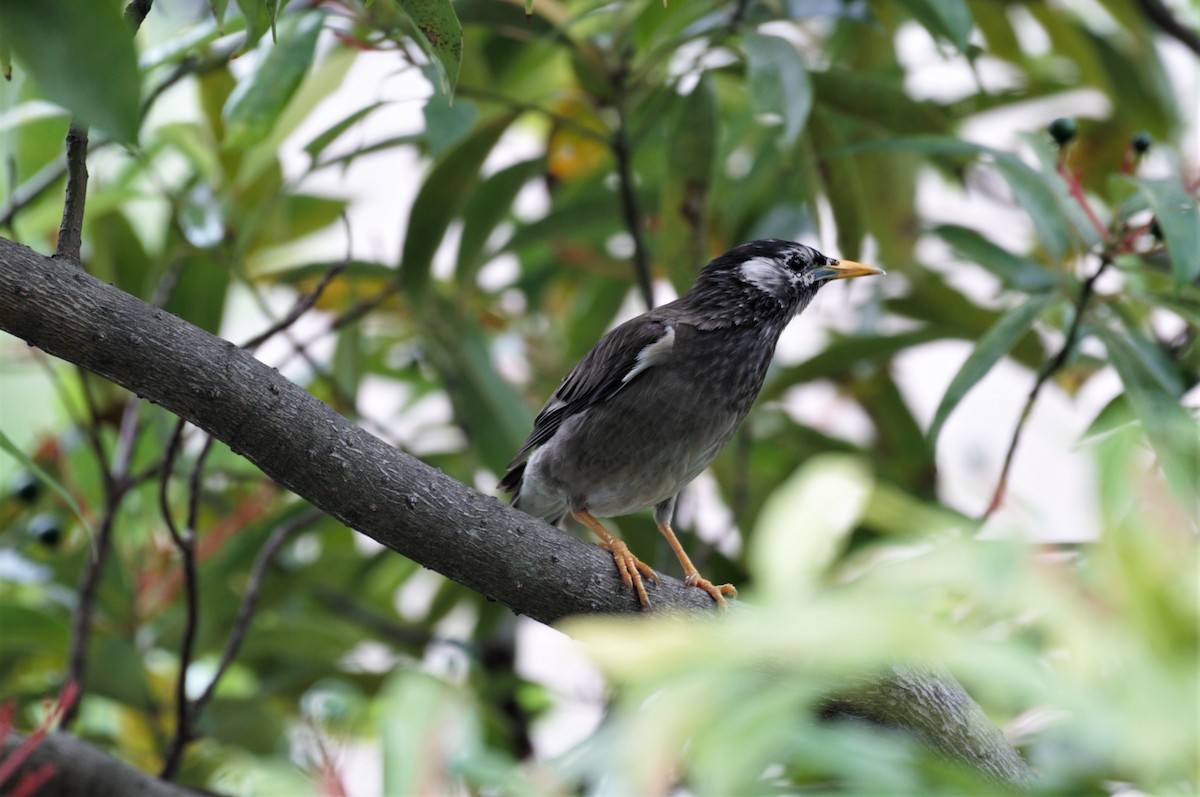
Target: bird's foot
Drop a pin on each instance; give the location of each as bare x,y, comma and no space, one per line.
631,568
717,592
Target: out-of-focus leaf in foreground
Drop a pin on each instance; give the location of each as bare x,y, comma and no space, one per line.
256,103
82,55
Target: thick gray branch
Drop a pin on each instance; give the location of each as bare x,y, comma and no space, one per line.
81,770
408,506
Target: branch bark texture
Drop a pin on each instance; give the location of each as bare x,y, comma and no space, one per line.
406,505
81,770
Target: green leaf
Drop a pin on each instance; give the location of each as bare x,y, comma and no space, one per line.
1170,428
320,142
258,21
81,54
1032,190
259,99
486,406
998,341
441,36
779,84
902,452
848,354
27,462
1178,218
1012,269
691,153
446,123
442,196
218,10
949,19
490,204
199,294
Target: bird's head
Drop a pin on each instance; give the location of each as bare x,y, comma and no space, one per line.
780,275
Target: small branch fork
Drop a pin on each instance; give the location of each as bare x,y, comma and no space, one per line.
1117,240
185,542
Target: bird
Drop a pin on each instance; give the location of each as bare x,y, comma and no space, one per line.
652,403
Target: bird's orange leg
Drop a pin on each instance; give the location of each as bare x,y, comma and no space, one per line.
692,576
630,567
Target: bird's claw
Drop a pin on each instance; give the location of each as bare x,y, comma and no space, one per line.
717,592
631,569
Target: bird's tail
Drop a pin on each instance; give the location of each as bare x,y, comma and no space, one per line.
511,482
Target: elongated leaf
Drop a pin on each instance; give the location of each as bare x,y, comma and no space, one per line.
845,355
1171,430
779,83
258,21
81,54
691,153
27,462
948,19
1012,269
444,193
258,101
441,36
1178,218
934,302
490,204
1032,190
446,123
998,341
903,453
320,142
218,9
486,406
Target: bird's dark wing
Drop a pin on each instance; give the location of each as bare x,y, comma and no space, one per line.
612,363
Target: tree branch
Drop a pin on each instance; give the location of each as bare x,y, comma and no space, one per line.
1048,369
408,506
70,231
81,770
1157,11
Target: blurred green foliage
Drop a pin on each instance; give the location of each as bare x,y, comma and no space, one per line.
788,118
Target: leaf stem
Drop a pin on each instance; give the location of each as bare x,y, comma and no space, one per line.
1077,194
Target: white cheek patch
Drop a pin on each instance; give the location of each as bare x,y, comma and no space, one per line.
768,276
655,353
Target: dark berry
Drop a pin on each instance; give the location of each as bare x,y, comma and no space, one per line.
1141,142
25,487
46,529
1062,130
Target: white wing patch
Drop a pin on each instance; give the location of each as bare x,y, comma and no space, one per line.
655,353
767,275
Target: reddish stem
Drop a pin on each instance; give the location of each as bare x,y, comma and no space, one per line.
1077,193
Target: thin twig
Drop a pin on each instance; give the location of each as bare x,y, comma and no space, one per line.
241,623
184,541
348,608
70,231
302,306
363,307
91,430
630,206
1161,15
1077,194
1051,367
116,486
